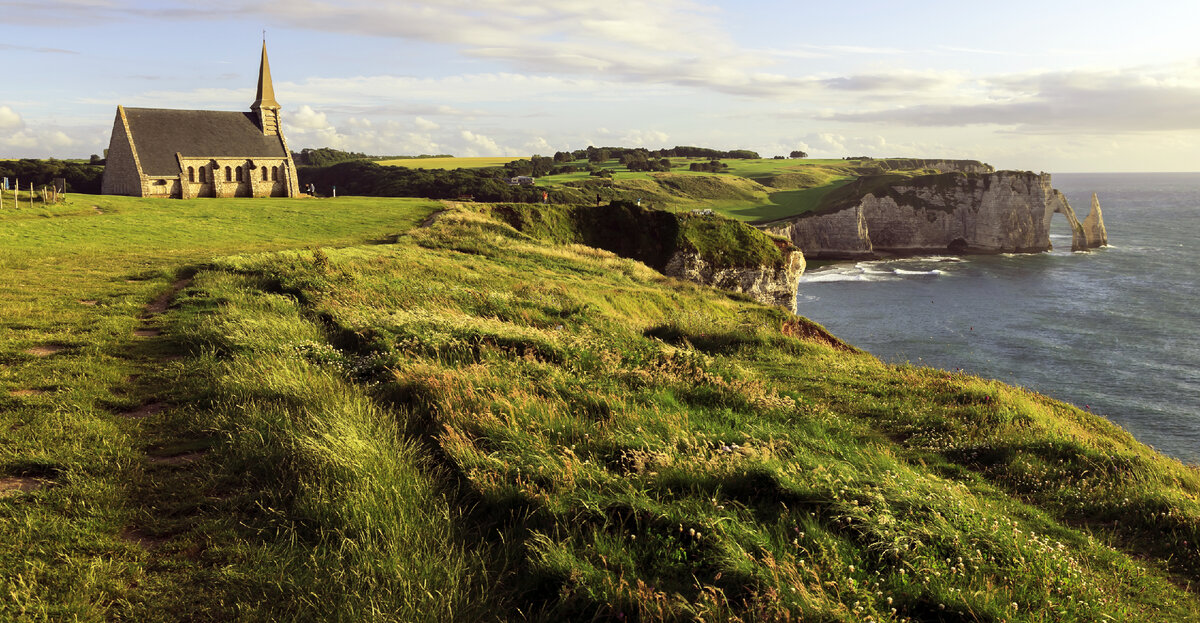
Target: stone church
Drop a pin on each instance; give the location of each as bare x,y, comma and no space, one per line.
156,152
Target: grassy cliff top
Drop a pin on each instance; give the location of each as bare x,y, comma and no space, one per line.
647,235
350,417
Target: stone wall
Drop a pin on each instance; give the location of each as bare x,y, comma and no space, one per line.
121,173
252,184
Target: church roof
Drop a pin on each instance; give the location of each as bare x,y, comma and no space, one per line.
159,133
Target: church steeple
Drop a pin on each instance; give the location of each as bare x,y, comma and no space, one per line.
265,104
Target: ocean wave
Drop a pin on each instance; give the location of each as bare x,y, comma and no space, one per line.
872,272
832,276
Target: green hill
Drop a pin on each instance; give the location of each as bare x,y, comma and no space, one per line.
351,417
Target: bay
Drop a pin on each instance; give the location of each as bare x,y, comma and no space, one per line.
1113,331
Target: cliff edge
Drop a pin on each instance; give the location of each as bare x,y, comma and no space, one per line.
1000,212
702,248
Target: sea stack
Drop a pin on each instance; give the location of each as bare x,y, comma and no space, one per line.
1093,226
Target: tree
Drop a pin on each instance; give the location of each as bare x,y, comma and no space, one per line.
798,154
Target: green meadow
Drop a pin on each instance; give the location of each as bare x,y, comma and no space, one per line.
449,163
299,410
755,191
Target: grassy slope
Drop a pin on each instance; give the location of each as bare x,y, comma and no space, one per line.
73,279
468,425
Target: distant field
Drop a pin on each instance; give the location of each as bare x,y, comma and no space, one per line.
788,187
755,191
450,163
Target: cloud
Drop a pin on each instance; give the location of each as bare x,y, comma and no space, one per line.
676,42
20,140
425,124
1141,99
479,145
308,119
27,48
892,81
10,119
649,138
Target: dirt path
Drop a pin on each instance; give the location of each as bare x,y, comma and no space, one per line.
151,486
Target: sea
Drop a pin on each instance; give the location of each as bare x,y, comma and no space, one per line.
1115,331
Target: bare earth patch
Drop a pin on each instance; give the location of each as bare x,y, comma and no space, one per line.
26,392
145,410
88,302
12,485
141,539
160,304
147,332
178,459
45,350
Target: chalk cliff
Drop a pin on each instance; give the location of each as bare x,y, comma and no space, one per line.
1093,226
766,284
1001,212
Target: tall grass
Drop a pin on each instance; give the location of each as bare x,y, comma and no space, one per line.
603,443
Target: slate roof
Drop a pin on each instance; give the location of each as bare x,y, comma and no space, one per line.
159,132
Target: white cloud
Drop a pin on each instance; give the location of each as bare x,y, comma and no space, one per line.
479,145
540,146
425,124
1137,99
41,142
651,138
10,119
307,119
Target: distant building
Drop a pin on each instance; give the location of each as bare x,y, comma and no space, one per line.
157,152
521,180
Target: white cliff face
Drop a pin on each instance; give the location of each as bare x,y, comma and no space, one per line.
840,235
769,285
1004,212
1093,226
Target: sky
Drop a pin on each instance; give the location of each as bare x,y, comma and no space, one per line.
1043,86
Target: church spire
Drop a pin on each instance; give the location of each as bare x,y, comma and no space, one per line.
265,104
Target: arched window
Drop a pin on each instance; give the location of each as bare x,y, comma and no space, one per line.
264,173
274,174
239,173
228,174
203,176
192,174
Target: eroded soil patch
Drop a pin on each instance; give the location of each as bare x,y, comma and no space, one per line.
26,392
45,350
160,304
178,459
146,410
12,485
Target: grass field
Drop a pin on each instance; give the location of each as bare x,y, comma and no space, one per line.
783,188
787,187
94,409
450,163
341,417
